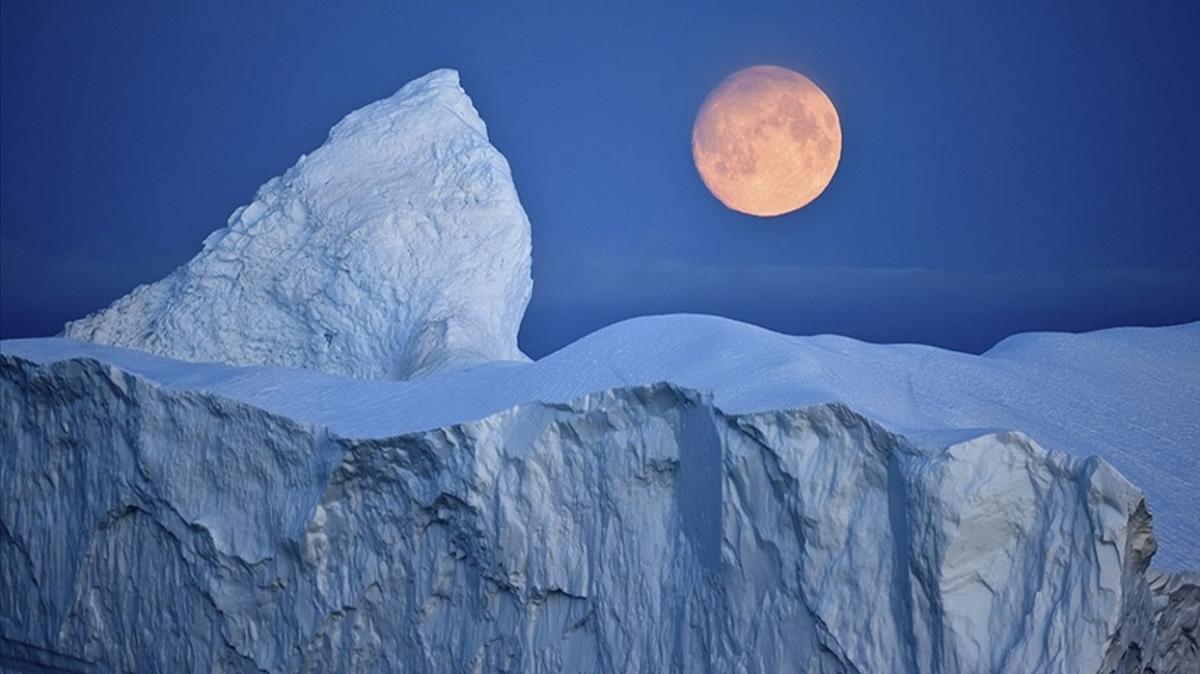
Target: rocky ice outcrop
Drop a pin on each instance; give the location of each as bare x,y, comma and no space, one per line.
397,248
154,528
1177,623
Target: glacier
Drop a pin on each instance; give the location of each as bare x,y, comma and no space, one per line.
397,248
317,447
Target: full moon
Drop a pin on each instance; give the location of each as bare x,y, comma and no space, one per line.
766,141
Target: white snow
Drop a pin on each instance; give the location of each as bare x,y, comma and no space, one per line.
397,248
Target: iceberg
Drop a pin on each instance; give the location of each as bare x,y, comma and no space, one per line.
639,527
316,447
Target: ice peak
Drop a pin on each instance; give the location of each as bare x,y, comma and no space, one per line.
443,82
397,248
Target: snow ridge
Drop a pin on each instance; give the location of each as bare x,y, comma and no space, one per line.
396,249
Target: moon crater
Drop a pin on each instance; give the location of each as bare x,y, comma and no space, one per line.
766,141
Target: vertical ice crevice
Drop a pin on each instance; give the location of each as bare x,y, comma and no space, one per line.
698,485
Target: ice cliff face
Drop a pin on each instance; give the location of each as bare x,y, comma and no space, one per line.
148,528
397,248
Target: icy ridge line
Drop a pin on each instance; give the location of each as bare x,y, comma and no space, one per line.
636,528
396,249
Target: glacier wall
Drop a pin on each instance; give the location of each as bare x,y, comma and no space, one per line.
640,528
397,248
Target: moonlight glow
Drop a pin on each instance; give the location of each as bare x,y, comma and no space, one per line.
766,141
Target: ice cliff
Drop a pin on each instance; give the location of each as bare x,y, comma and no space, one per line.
634,529
397,248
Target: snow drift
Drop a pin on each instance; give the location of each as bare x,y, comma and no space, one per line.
397,248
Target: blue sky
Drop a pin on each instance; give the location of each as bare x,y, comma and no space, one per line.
1006,166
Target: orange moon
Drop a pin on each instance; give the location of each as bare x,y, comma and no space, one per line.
766,141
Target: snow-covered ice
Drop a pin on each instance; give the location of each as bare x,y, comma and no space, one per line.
397,248
639,528
1129,395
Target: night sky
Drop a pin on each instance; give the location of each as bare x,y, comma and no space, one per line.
1006,166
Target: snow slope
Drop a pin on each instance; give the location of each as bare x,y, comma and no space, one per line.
149,528
1129,395
397,248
